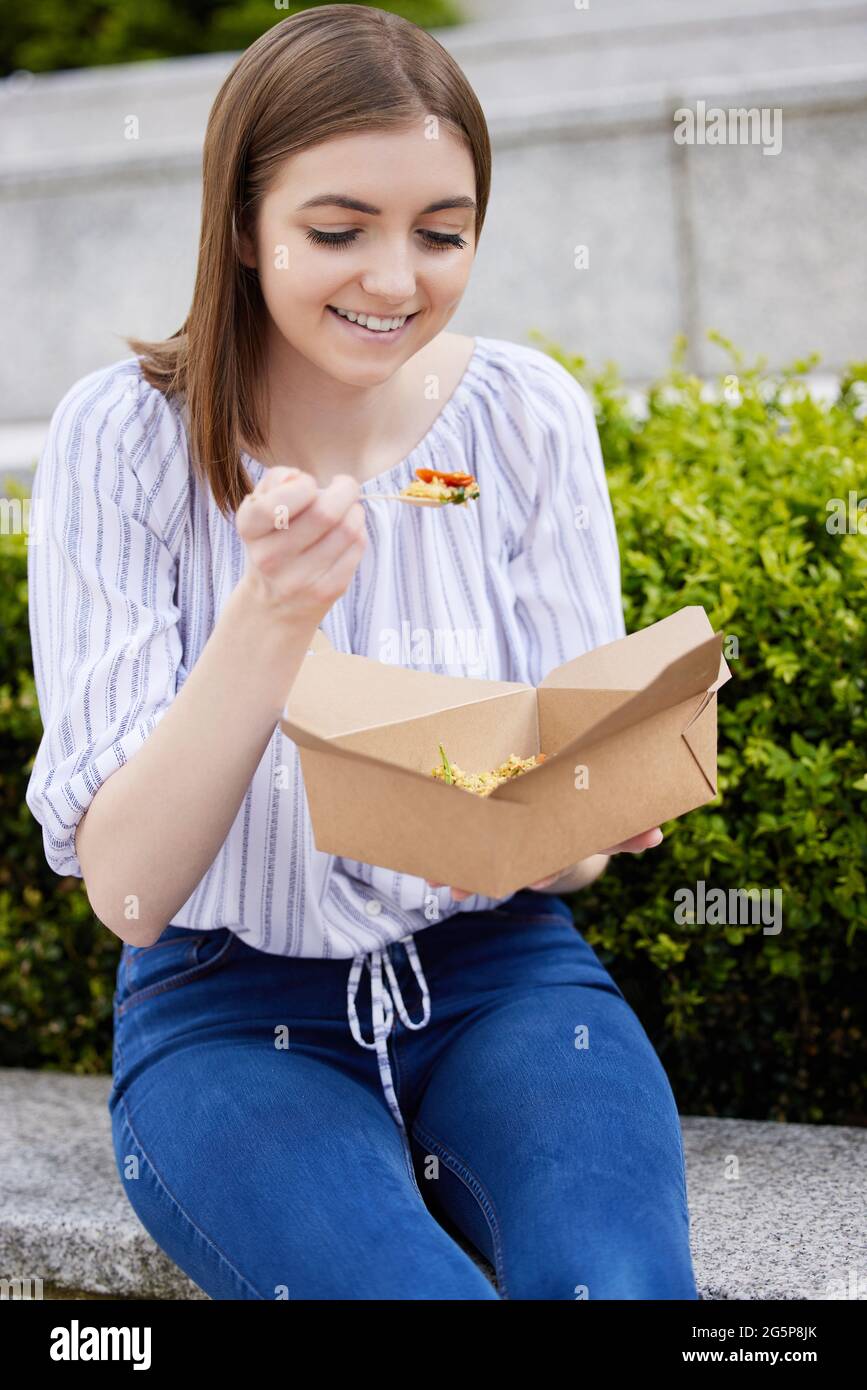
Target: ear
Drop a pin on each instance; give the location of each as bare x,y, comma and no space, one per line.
246,250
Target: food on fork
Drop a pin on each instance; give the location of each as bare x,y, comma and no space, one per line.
442,487
483,783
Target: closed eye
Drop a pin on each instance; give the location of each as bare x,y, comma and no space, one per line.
435,241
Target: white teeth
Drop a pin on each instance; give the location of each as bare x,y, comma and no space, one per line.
370,321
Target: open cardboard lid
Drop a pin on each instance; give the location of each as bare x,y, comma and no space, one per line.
648,671
635,661
694,672
337,694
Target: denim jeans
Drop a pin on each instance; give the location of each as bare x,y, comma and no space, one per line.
255,1144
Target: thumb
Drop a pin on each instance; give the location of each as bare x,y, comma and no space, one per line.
275,477
543,882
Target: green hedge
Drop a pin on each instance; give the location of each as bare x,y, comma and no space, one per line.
57,962
722,502
44,35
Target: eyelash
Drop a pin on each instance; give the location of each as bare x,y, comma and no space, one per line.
436,241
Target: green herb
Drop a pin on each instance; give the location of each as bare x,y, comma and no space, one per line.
447,768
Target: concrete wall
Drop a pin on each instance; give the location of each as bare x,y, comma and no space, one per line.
100,233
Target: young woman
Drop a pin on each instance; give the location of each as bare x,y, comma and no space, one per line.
281,1132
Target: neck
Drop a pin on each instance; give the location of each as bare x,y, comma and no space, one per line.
325,426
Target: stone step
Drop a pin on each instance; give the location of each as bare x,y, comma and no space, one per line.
777,1211
81,116
679,239
593,52
611,14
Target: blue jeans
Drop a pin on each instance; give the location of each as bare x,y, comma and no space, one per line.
256,1145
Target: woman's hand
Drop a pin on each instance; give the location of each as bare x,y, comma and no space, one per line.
637,844
303,543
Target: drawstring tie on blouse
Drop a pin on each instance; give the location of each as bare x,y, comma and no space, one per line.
383,1005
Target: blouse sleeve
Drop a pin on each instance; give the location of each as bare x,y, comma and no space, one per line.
564,565
102,611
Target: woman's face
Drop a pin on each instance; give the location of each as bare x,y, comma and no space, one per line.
395,257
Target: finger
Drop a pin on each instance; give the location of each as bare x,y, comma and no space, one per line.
648,839
335,504
264,513
543,882
313,560
342,553
274,477
299,514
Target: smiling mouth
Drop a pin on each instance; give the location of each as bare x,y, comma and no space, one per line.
380,324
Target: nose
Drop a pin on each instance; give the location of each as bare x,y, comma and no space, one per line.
390,275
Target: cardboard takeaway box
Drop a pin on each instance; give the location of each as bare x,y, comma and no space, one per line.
629,732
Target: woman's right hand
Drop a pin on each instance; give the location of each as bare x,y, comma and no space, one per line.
303,543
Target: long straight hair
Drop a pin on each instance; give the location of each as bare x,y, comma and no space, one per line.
324,72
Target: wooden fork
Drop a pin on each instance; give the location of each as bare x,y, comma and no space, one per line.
396,497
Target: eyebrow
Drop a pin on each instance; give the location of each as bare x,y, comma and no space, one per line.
339,200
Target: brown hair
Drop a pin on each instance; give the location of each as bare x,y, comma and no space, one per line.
281,96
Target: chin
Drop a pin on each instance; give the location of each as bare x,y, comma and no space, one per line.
359,373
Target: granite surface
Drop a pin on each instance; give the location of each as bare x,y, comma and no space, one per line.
777,1211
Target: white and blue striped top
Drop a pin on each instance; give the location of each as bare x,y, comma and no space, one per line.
134,563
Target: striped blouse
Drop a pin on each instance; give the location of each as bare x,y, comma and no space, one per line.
134,562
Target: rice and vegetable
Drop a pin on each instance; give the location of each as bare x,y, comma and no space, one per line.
442,487
483,783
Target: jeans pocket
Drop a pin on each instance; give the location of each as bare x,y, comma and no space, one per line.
173,961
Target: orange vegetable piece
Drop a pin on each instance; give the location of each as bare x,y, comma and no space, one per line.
427,475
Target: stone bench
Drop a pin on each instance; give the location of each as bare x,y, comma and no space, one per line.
777,1211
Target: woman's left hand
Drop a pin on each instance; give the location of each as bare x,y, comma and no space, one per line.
637,844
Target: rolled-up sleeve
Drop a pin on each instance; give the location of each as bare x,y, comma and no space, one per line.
564,566
102,611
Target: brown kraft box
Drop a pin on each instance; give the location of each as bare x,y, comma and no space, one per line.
629,731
